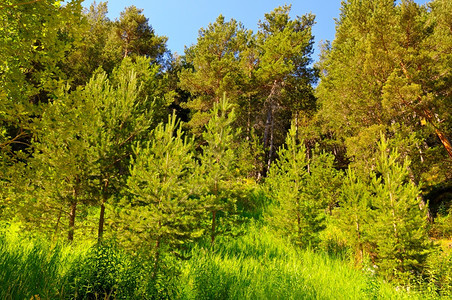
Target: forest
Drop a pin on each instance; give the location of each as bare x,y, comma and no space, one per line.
241,169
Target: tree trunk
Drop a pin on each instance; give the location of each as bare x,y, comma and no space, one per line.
214,216
445,140
73,207
270,148
360,246
55,233
267,128
269,124
100,232
248,121
212,233
428,115
157,257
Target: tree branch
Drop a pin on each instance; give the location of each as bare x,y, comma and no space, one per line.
15,140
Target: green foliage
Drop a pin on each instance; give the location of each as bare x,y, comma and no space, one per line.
33,42
382,73
31,266
259,264
84,140
136,37
27,271
399,222
283,75
103,272
124,108
354,213
63,161
90,51
216,68
217,172
303,189
437,279
442,226
82,144
162,211
385,218
284,46
266,75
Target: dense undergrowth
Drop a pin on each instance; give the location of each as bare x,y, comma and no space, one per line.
258,265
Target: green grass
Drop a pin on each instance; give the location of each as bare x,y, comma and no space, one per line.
262,266
258,265
30,267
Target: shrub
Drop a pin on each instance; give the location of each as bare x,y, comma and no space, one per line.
438,276
105,272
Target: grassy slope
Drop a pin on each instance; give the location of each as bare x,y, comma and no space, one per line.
262,266
255,266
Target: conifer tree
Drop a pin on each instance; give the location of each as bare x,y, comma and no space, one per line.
324,181
214,68
399,221
136,36
283,75
162,213
124,110
218,161
384,69
300,206
85,136
266,75
91,52
354,213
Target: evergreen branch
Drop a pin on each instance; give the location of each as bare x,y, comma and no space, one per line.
15,140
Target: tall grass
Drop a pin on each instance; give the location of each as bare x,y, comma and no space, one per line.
258,265
30,266
262,266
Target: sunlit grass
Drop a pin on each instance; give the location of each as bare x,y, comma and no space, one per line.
258,265
31,267
262,266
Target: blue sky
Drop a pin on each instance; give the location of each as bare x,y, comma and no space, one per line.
180,20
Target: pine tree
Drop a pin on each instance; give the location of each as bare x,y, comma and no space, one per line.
162,213
354,213
399,222
218,160
266,75
283,76
383,72
91,52
123,110
297,185
85,136
214,68
324,181
136,37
